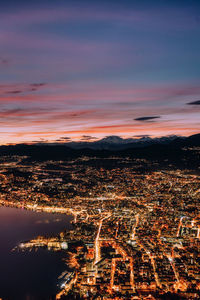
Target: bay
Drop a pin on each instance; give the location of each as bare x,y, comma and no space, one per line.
29,275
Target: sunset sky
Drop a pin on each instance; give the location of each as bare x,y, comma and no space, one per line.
70,69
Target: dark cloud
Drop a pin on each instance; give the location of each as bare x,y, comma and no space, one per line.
4,61
36,85
149,118
12,111
20,88
15,92
74,115
79,113
197,102
15,110
65,138
88,138
20,112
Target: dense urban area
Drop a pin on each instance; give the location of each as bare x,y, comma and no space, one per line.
136,227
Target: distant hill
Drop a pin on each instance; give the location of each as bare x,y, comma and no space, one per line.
118,143
181,152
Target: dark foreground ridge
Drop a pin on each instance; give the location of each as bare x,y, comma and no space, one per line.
181,152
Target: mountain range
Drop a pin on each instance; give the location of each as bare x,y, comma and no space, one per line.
117,143
166,152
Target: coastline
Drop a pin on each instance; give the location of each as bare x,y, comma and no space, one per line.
37,208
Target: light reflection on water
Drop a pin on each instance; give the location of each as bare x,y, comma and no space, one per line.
28,275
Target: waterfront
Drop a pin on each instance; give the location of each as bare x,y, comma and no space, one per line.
134,234
29,275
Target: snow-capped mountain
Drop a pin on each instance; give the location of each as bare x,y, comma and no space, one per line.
116,143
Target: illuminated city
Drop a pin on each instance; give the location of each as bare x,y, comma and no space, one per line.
135,234
99,149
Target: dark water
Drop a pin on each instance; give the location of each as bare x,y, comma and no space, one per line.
29,275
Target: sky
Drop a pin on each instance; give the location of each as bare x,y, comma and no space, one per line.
78,70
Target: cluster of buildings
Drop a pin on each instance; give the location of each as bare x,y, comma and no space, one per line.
135,235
